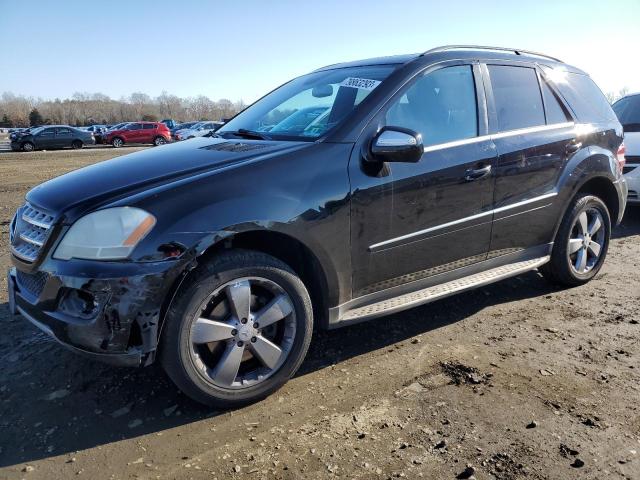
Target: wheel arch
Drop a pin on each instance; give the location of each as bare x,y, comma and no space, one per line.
292,251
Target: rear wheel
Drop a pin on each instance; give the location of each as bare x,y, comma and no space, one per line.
238,330
76,144
581,244
117,142
28,147
159,141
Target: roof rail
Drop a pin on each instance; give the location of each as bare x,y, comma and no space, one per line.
517,51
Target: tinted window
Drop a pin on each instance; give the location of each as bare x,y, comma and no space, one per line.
552,107
134,126
517,97
340,90
620,106
584,96
63,131
47,132
440,105
630,116
149,126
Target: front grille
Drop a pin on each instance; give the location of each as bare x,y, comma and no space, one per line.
32,282
30,230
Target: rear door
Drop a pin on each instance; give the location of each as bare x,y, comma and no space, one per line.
534,136
414,220
64,136
148,132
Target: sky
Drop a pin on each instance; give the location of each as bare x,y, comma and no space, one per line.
242,49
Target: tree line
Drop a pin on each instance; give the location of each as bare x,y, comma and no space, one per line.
96,108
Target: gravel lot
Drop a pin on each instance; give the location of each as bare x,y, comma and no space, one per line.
514,380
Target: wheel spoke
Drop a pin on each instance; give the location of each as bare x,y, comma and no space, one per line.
239,295
205,331
574,245
276,310
595,248
266,351
581,260
595,225
583,222
227,369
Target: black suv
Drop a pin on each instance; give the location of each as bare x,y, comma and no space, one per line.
416,177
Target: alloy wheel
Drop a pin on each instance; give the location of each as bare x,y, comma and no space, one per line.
586,241
243,333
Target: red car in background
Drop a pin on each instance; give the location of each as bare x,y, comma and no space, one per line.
138,132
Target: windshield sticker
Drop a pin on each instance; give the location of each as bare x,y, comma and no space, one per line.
361,83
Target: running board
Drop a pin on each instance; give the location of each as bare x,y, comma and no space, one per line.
426,295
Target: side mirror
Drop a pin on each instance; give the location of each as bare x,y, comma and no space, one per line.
396,144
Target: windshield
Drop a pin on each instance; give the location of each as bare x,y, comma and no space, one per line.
309,106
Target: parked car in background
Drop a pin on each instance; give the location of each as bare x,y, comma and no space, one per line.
155,133
51,137
181,126
198,130
170,123
15,132
628,111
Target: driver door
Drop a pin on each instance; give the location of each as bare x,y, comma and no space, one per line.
411,221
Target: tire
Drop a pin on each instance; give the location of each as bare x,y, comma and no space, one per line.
28,147
200,369
117,142
573,258
159,141
77,144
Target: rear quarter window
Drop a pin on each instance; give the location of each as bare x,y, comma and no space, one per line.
586,99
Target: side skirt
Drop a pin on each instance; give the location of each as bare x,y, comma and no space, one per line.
434,288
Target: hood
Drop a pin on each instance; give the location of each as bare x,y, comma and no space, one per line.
93,186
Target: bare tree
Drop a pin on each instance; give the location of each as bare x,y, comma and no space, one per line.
85,108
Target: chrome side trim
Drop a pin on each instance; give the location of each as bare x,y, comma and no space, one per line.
377,246
494,136
541,128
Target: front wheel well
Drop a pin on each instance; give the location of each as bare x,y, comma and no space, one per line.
292,252
602,188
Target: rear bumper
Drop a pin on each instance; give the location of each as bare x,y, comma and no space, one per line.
632,178
112,318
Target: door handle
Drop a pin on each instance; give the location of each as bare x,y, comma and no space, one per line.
573,147
477,173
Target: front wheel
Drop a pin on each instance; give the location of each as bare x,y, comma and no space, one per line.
159,141
117,142
238,329
581,243
28,147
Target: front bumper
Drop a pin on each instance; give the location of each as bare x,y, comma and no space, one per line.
108,313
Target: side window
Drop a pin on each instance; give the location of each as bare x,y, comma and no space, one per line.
440,105
631,118
149,126
47,132
516,94
134,126
619,107
553,109
586,99
63,131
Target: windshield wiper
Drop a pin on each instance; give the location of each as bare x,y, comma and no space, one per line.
243,132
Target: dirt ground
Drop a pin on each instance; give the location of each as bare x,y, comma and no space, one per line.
515,380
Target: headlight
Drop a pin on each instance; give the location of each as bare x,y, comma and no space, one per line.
109,234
